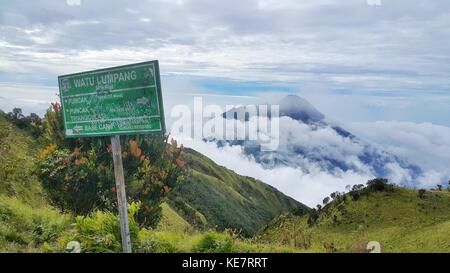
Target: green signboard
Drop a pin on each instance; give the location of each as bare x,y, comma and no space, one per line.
113,101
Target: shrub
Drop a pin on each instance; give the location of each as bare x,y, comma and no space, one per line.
100,232
378,184
78,173
421,193
213,242
32,123
157,242
299,211
312,217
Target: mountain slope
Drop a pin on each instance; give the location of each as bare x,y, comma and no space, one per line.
27,221
214,196
17,151
399,220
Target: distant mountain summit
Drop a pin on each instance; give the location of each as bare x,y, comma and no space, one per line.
291,106
298,108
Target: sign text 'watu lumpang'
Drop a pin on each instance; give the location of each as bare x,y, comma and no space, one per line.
113,101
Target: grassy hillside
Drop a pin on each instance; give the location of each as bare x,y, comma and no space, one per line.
29,224
17,153
399,220
216,197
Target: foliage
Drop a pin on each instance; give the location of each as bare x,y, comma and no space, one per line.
17,152
25,228
100,232
159,242
313,215
397,218
379,184
421,193
78,173
217,198
32,123
213,242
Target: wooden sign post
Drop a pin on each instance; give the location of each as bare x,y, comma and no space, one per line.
121,194
123,100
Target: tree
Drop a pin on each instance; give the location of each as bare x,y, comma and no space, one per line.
377,184
15,115
78,174
439,187
326,200
299,211
333,195
357,187
313,217
421,193
31,123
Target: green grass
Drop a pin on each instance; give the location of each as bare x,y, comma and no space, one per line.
215,197
400,221
27,222
203,242
24,228
17,155
172,221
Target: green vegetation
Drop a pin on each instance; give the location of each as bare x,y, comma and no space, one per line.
28,223
226,199
212,210
17,150
402,220
78,173
24,228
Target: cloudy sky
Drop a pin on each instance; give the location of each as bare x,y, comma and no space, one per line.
358,63
352,60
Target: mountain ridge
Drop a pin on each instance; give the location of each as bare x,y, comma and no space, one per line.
226,199
400,219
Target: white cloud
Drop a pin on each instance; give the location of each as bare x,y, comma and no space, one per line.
424,144
29,98
316,172
308,188
338,42
400,47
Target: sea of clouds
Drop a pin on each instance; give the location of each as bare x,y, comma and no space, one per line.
309,177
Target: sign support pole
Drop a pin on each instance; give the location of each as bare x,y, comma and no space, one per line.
121,194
